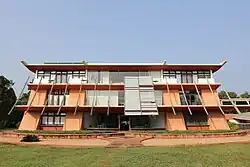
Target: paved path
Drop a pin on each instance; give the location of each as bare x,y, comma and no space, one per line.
195,141
127,141
59,142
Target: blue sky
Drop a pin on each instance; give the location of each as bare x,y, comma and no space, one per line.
127,31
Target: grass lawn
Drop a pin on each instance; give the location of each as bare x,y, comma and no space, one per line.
193,156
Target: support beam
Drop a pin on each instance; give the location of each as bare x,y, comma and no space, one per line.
66,87
109,98
234,105
94,99
182,89
20,95
79,94
170,98
33,96
201,99
52,86
216,99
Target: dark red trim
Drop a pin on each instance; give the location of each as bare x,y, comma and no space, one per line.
89,86
213,67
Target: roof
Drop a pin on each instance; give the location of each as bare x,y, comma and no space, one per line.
120,66
242,116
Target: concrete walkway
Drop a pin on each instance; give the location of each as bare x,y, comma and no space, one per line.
59,142
195,141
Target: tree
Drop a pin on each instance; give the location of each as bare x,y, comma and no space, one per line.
7,99
245,95
24,99
223,95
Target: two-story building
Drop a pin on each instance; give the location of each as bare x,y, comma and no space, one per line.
123,96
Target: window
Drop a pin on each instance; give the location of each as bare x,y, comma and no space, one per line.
60,76
57,97
187,76
169,74
158,97
121,98
204,74
40,74
197,118
191,96
51,118
103,98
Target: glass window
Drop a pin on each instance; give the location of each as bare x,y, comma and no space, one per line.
191,96
51,118
169,74
56,97
121,98
197,118
115,77
186,76
158,97
204,74
93,77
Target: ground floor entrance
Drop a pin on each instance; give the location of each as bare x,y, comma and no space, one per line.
118,121
124,123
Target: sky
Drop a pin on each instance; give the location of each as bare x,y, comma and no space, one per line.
127,31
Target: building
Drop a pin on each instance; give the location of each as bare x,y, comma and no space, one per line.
124,96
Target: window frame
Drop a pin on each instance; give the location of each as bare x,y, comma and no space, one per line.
54,116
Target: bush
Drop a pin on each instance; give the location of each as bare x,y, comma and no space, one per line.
30,138
233,126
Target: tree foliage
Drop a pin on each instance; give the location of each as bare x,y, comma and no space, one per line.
245,95
7,100
223,94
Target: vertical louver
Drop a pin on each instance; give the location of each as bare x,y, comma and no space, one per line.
139,96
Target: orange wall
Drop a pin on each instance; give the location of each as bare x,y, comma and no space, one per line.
217,121
174,95
73,96
209,98
175,122
73,122
40,97
30,121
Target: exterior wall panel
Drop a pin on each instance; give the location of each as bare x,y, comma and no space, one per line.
30,121
73,95
175,122
208,97
73,122
40,97
217,121
174,95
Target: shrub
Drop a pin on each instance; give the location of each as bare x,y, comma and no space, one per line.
30,138
233,126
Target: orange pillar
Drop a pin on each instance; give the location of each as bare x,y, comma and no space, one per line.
30,121
73,122
175,122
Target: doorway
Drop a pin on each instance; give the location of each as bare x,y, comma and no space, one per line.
124,123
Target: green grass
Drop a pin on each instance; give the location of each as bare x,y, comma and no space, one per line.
192,156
